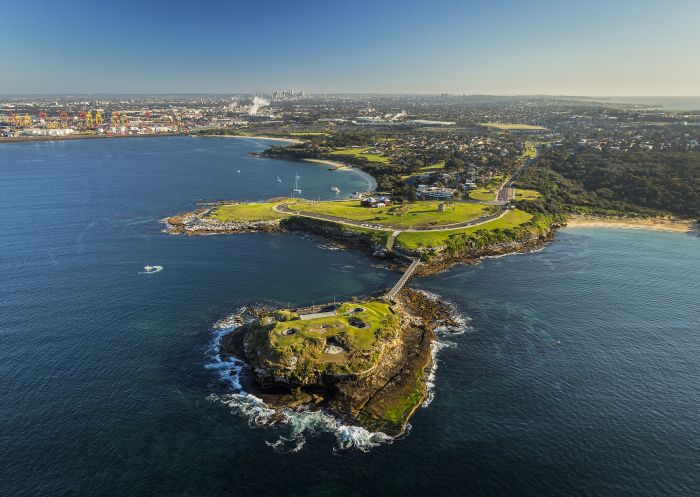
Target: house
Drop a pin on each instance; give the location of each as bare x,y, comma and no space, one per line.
436,192
375,202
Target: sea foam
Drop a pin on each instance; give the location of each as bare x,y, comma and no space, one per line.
295,426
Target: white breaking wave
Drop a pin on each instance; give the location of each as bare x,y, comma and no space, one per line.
526,252
442,332
297,425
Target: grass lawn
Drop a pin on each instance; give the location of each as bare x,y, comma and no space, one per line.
308,133
260,211
416,214
425,169
376,315
512,126
483,194
433,167
415,240
521,194
530,150
361,152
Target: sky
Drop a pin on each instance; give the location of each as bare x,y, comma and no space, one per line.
593,47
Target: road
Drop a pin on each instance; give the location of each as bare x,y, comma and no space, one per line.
284,208
500,203
502,195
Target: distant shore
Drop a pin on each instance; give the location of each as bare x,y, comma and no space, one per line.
578,221
256,137
25,139
29,139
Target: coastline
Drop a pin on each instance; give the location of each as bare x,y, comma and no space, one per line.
255,137
25,139
341,166
31,139
579,221
380,399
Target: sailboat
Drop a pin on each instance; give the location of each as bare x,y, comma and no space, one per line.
279,180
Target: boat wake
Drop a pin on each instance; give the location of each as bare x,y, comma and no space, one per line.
294,426
151,269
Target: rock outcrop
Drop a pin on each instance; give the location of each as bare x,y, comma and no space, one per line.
380,395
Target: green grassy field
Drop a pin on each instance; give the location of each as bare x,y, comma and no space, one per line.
425,169
308,133
361,152
483,194
415,214
375,315
512,126
416,240
255,211
530,150
521,194
433,167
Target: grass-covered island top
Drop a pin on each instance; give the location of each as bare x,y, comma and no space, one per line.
336,339
365,361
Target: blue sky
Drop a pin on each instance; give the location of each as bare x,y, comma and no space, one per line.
502,47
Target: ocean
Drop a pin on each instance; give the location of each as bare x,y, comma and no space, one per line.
576,372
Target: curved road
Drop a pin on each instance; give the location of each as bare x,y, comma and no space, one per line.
501,201
284,208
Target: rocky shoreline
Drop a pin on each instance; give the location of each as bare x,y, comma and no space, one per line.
380,400
444,260
198,223
434,261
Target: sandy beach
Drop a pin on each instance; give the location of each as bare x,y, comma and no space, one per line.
334,164
654,224
341,166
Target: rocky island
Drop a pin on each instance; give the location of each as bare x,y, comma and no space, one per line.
366,362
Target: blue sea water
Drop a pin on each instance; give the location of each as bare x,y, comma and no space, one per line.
577,374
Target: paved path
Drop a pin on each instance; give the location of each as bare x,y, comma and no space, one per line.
391,239
285,208
403,280
500,202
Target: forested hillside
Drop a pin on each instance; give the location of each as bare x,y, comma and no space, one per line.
612,182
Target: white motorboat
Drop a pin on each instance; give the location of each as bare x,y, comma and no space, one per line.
151,269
